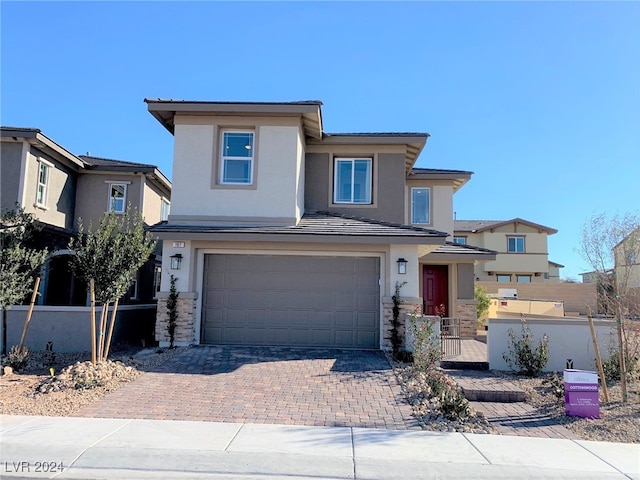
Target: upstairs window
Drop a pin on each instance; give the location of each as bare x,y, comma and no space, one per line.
237,158
503,278
460,240
164,212
515,244
523,278
420,204
352,181
43,184
117,197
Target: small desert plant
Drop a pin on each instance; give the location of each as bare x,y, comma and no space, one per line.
453,404
426,345
394,333
172,310
556,384
522,355
18,359
611,367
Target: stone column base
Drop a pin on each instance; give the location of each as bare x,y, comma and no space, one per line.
185,331
407,305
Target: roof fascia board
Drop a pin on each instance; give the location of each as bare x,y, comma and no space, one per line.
299,238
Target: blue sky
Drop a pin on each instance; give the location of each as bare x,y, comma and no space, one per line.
540,99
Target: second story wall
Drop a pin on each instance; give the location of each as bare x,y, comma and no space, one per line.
94,193
152,204
388,181
10,173
440,195
275,190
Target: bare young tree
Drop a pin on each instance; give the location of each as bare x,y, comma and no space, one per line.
611,246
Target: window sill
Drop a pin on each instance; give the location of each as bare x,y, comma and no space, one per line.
41,207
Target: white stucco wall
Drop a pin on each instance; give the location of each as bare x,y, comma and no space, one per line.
569,338
278,176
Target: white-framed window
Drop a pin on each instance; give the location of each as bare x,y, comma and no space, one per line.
460,240
236,157
515,244
503,278
157,276
164,210
420,205
117,197
43,183
352,180
133,289
523,278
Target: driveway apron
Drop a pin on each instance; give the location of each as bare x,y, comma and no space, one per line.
278,385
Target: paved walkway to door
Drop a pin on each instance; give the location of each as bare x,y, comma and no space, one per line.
321,387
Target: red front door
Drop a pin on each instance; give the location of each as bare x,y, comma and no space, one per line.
435,288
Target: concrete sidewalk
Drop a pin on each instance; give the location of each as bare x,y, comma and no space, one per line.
96,448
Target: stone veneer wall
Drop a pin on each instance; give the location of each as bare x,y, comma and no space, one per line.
466,312
407,305
185,328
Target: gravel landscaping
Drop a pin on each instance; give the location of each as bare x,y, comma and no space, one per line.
75,384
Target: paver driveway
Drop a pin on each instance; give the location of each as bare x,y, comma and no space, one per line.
323,387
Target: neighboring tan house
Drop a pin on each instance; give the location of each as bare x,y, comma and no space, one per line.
522,255
58,187
626,256
282,234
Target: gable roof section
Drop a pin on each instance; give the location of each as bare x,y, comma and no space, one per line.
310,111
478,226
456,251
459,177
39,140
153,174
318,226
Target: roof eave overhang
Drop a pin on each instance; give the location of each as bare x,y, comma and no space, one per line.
48,146
165,111
458,179
298,238
414,143
462,257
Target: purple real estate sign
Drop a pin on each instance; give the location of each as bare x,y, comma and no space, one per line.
581,394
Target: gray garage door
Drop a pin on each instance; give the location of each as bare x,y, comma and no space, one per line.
291,300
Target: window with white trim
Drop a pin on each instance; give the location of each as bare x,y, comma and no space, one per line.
420,204
117,197
515,244
43,184
133,289
164,211
236,157
352,179
460,240
157,275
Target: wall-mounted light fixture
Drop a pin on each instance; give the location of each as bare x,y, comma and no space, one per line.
176,261
402,266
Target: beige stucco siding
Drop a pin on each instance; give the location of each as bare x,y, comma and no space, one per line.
388,202
152,204
440,208
59,208
275,192
92,197
10,166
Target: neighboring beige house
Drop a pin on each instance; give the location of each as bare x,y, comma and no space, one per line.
282,234
626,255
521,246
58,187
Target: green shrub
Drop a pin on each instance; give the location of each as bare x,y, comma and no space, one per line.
426,345
16,359
523,356
611,367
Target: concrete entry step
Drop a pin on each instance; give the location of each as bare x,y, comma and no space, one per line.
464,365
482,387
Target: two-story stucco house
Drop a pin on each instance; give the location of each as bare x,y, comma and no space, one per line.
521,246
282,234
58,187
